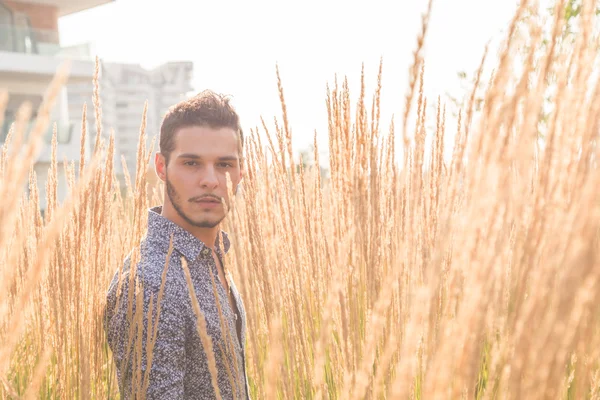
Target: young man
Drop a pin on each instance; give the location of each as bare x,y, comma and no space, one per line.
200,143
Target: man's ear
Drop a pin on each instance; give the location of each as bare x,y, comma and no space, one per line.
161,166
241,181
242,169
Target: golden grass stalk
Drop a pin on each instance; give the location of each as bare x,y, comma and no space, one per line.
206,340
422,277
153,326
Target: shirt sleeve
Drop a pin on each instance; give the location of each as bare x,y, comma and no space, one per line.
166,378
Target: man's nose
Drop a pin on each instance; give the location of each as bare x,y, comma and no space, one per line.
209,178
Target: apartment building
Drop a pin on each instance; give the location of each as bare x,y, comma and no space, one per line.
30,53
124,88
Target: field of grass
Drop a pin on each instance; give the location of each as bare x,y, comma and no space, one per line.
475,276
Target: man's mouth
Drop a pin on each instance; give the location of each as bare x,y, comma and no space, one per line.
206,200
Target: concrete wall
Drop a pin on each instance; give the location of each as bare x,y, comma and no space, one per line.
26,76
69,134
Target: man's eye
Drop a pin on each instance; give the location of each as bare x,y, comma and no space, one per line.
190,163
225,165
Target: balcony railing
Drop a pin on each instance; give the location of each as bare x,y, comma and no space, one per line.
21,39
64,131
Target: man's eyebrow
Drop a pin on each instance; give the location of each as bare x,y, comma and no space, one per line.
189,155
197,157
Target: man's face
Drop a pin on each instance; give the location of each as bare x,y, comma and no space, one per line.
196,174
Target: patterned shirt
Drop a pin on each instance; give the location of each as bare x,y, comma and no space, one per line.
179,363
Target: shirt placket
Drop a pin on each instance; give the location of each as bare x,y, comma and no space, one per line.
228,312
206,255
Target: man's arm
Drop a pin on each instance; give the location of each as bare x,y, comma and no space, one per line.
168,354
166,377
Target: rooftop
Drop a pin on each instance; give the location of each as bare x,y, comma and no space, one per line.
66,7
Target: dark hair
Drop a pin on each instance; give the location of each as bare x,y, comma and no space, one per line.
205,109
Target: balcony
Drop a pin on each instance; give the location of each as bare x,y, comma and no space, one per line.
26,40
64,131
33,56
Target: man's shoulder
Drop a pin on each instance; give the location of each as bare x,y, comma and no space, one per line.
148,278
151,260
152,263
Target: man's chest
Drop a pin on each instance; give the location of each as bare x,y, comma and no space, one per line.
218,301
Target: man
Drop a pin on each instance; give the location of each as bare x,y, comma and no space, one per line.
200,144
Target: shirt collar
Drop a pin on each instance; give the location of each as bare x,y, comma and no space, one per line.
161,229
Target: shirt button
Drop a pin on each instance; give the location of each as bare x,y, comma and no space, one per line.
205,251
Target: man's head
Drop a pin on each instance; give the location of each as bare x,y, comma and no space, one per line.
200,143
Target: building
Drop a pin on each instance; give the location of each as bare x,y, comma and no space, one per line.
124,88
30,53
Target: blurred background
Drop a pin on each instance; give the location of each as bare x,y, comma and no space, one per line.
164,51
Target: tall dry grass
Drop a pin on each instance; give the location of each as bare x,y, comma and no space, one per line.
476,276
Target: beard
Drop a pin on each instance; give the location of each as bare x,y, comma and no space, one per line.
177,203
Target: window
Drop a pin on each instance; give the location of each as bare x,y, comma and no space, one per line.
25,40
6,28
64,132
8,120
16,33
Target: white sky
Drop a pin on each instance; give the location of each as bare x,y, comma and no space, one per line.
235,45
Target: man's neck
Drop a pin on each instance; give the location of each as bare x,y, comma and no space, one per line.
208,236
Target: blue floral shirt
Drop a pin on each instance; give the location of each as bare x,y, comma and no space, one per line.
179,363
